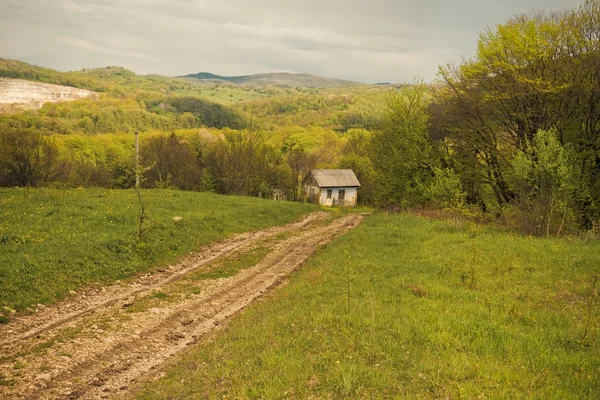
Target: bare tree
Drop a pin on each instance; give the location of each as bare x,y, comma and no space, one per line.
28,158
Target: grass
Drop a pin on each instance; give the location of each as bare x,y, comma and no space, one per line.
406,307
53,241
233,266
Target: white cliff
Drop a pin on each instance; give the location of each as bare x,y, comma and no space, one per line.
18,94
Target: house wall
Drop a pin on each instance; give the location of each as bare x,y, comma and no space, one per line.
312,193
349,197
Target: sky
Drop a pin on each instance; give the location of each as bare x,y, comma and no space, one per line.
362,40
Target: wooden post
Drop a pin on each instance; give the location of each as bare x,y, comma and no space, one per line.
137,161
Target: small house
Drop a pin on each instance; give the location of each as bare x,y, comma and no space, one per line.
332,187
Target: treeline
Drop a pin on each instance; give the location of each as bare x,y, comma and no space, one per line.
144,111
339,109
111,80
513,134
335,108
242,162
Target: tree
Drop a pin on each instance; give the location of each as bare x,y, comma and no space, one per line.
28,159
534,73
241,163
363,168
546,181
300,163
401,151
170,162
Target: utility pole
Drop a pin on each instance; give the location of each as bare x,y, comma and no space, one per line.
137,161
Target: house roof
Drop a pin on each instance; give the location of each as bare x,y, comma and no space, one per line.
335,178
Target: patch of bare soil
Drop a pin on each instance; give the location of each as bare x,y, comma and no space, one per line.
19,94
102,343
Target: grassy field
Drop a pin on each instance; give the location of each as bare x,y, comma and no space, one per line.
407,307
54,241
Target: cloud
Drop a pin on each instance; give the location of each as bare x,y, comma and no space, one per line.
369,41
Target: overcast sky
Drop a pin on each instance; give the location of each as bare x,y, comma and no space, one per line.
362,40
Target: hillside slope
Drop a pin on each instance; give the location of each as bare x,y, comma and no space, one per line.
405,307
281,79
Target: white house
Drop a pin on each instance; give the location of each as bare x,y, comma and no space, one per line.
331,187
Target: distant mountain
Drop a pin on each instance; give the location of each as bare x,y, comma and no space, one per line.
281,79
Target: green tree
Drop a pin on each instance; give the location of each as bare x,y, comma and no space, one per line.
401,151
29,159
535,72
169,162
546,182
241,163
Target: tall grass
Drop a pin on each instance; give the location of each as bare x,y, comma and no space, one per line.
54,241
406,307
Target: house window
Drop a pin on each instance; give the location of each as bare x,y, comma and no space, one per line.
341,194
328,193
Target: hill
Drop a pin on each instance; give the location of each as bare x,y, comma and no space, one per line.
279,79
100,228
120,82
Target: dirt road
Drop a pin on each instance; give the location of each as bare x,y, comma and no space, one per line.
103,343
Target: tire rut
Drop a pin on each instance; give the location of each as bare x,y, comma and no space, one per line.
110,361
64,314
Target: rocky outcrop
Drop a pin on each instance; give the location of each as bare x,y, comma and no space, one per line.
18,94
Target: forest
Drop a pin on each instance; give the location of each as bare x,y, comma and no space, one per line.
511,136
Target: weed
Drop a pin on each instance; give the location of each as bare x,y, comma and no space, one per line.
469,278
418,291
4,381
18,364
590,303
146,221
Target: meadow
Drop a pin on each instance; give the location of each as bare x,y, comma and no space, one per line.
408,307
54,241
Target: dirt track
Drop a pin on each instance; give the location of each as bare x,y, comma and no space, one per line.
103,343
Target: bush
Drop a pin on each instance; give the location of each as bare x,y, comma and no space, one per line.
545,182
29,159
445,191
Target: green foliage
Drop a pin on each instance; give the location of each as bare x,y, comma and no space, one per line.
169,163
242,163
340,109
445,190
28,159
109,115
115,81
366,112
53,241
210,114
363,169
534,73
544,168
401,150
546,184
406,307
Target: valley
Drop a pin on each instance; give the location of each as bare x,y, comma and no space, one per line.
288,235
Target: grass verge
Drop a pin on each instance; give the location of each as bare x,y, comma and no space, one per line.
53,241
406,307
